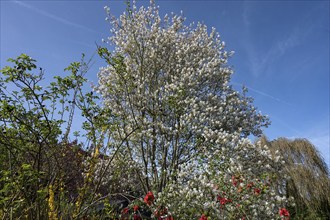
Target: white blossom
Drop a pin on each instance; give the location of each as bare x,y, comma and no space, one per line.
168,87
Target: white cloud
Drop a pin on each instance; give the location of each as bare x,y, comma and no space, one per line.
261,62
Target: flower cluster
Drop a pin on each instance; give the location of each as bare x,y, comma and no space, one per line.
126,214
223,201
223,188
149,198
284,213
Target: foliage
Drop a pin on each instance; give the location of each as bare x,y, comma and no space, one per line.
41,170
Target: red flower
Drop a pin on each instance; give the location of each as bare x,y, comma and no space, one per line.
157,213
233,180
136,207
169,218
249,185
160,211
163,212
137,217
284,212
149,198
203,217
257,191
125,211
224,201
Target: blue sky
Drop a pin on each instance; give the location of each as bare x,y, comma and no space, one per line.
281,50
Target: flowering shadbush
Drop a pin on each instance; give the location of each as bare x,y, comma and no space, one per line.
168,86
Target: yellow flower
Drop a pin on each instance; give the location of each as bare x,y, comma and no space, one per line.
51,203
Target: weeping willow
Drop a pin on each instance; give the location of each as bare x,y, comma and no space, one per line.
308,182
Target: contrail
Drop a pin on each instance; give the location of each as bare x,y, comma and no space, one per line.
54,17
262,93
